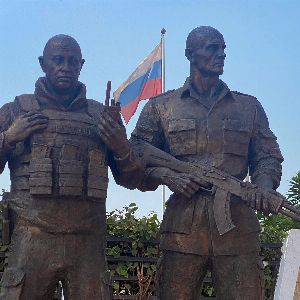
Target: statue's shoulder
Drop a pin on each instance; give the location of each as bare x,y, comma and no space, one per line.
94,104
164,96
245,98
27,102
241,96
95,108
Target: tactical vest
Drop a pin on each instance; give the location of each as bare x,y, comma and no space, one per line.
65,159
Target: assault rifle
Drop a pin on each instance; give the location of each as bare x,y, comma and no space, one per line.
224,185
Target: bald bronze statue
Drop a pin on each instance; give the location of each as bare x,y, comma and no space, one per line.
58,145
204,123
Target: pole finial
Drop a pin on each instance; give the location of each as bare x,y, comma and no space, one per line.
163,31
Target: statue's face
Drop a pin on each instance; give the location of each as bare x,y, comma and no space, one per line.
210,56
62,64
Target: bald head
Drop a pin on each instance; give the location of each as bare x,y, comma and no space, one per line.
205,49
62,62
199,35
61,41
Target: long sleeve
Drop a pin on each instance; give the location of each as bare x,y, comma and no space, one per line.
148,130
264,156
127,171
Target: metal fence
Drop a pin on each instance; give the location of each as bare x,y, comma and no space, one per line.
271,254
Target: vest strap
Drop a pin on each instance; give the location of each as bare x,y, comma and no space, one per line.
28,102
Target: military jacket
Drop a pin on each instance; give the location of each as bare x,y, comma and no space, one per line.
227,130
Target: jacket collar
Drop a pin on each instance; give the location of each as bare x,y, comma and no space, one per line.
217,93
47,98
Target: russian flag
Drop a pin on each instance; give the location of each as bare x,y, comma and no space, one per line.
143,83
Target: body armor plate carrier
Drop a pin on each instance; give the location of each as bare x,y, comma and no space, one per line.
65,159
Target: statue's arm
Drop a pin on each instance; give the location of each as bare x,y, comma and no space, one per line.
127,170
264,154
149,129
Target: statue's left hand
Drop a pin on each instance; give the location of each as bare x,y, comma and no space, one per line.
113,135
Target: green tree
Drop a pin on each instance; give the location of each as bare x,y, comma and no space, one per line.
294,191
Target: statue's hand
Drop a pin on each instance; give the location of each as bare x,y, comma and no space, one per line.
24,126
113,135
259,195
181,183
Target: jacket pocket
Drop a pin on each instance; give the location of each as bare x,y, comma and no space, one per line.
40,170
182,136
178,217
236,137
97,175
71,169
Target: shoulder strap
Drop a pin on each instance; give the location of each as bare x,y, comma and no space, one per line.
28,102
95,109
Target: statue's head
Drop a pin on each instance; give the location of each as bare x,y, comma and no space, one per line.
62,62
205,50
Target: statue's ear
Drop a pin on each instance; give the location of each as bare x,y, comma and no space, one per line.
41,61
189,54
82,63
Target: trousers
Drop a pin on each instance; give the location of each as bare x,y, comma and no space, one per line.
38,260
236,277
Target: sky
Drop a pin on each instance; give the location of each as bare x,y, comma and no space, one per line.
263,48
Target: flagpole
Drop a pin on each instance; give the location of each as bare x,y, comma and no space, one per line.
163,32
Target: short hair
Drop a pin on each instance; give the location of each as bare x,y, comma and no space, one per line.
62,40
198,35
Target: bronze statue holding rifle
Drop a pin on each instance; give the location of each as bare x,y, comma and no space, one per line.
58,145
201,140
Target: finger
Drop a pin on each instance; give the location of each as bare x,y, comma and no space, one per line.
106,131
30,113
194,186
38,127
38,122
109,119
36,116
201,182
183,192
106,126
189,191
265,204
185,187
258,201
176,188
248,199
253,195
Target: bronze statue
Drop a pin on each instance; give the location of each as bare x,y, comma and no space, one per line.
58,145
208,127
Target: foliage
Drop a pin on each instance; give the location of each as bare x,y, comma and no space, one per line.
293,193
139,240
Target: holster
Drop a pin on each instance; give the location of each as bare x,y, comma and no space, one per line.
5,219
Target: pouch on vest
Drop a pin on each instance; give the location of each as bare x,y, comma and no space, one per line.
40,170
97,175
70,171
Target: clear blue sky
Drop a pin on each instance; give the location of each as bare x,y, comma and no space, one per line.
263,48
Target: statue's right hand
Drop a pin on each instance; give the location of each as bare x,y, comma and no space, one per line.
24,126
182,183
